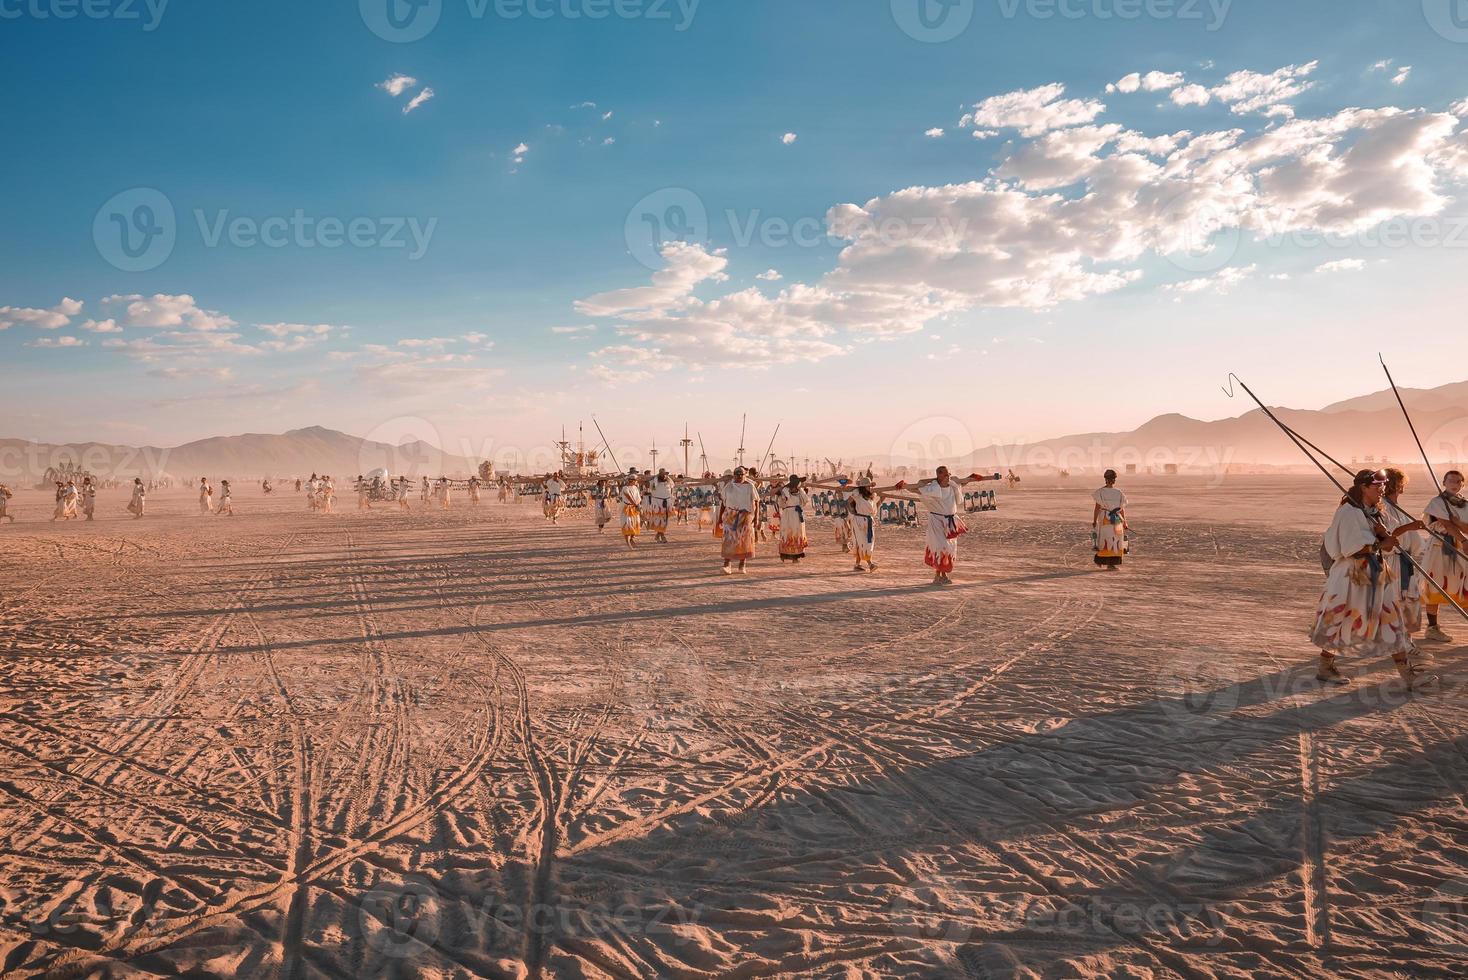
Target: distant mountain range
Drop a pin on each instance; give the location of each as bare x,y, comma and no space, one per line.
1351,430
298,452
1354,429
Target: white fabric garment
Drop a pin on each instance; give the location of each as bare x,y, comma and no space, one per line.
1110,498
739,496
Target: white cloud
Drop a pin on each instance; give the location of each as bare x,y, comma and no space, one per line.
427,343
1033,111
1190,95
54,318
934,133
1341,265
1220,282
582,328
162,310
191,373
397,84
1250,91
672,286
1074,211
1459,108
609,141
1401,75
395,373
280,330
770,275
101,326
292,337
54,342
1153,81
1382,65
585,105
474,337
519,153
418,100
606,115
788,138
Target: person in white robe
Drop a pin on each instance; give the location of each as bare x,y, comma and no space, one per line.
5,494
601,505
206,496
940,498
659,509
1358,612
226,504
1108,524
139,502
89,498
629,497
1411,547
364,494
474,491
739,510
1447,553
405,492
551,502
841,521
794,502
719,486
862,518
327,494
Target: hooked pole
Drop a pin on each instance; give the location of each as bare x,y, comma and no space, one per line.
703,455
743,422
685,443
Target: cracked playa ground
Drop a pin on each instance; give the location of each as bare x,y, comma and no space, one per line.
471,744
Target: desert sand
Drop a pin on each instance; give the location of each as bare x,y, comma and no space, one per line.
472,744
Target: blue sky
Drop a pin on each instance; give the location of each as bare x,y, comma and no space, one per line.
263,110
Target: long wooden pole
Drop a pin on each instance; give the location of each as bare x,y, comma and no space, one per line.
608,442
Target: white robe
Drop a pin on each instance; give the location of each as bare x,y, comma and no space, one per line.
1448,565
944,525
1359,611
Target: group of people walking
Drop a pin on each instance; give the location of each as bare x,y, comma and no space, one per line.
1389,575
745,508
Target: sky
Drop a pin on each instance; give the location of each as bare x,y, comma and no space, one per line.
476,221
